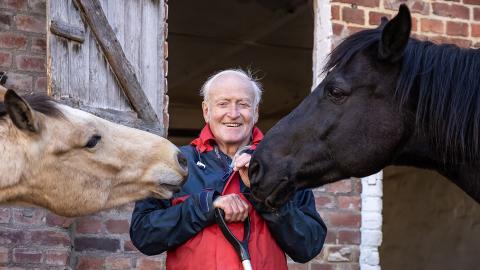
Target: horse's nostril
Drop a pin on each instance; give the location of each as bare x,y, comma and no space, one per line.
182,161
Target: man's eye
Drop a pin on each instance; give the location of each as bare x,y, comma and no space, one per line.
93,141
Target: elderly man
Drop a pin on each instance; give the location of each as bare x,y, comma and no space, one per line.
185,226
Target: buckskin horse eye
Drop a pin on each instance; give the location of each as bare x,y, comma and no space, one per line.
93,141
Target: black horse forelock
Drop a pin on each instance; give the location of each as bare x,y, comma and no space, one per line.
445,80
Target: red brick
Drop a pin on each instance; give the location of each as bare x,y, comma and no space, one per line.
58,221
322,266
324,201
476,14
13,41
117,226
348,237
31,23
4,255
41,85
5,61
19,82
30,63
457,29
475,30
118,263
335,12
344,186
96,244
39,45
297,266
5,21
365,3
14,4
148,264
88,225
27,255
431,26
331,236
471,2
452,11
51,238
11,237
420,7
353,15
90,263
355,29
57,257
128,246
374,18
37,6
349,202
414,24
29,216
337,29
346,219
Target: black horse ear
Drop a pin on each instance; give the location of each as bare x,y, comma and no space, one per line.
395,35
22,115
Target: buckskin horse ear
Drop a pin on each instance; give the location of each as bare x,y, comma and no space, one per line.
395,35
22,115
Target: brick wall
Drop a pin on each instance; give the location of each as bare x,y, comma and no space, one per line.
452,21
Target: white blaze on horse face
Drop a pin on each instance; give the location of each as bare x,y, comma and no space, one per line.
62,174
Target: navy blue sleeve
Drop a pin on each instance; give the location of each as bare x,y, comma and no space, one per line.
158,226
297,227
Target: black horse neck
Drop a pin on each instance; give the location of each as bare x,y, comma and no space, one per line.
419,153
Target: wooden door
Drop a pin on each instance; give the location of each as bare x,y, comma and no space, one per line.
108,57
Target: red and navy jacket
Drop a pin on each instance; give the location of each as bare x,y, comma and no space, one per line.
185,225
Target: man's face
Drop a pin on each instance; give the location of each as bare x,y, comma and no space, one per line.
230,110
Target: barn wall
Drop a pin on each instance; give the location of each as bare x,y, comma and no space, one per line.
33,238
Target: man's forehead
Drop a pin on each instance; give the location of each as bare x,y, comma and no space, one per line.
231,86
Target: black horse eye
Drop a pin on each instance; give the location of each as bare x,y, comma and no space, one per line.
336,95
93,141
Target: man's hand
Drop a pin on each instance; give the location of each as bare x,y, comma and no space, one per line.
234,207
241,165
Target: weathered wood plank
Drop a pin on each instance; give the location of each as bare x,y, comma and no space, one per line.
57,54
93,14
67,31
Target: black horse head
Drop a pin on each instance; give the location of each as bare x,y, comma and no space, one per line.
385,99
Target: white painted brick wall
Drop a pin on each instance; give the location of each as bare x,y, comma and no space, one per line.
371,230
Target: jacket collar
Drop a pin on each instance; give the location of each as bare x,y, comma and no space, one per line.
206,140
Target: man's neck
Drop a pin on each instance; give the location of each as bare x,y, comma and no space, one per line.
230,149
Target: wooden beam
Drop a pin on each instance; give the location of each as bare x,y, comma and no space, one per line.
93,14
67,31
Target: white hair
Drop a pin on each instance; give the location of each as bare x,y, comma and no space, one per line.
256,85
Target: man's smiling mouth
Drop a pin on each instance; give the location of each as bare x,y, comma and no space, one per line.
232,124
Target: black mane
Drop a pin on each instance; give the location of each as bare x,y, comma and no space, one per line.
445,80
39,102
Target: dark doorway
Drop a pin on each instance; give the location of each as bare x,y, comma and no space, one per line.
273,38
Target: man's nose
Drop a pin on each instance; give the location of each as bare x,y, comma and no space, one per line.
233,112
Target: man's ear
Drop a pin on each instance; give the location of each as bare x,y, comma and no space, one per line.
256,114
22,115
205,111
395,35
